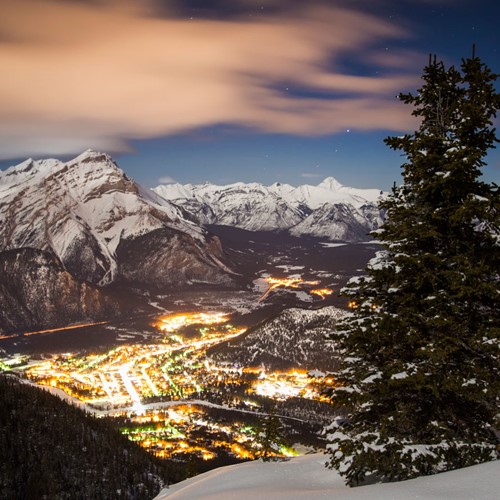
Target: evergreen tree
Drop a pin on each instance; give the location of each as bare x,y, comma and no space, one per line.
420,349
269,437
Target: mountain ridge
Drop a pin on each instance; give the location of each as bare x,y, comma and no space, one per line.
328,210
268,344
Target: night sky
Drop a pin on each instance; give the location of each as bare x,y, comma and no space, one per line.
228,90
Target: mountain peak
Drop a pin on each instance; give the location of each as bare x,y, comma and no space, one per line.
91,155
91,152
26,165
330,183
19,173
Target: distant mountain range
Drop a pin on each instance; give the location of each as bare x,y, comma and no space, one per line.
328,210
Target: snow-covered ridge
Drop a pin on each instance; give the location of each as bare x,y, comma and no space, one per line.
269,343
82,210
327,191
328,210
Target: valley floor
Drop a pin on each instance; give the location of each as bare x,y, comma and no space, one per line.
306,478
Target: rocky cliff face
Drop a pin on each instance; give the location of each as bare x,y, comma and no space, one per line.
36,293
329,210
166,258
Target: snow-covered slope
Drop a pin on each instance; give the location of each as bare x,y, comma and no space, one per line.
306,478
102,225
269,343
327,210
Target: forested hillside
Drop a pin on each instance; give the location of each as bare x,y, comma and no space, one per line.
50,449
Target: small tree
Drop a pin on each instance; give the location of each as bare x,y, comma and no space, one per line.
269,437
420,349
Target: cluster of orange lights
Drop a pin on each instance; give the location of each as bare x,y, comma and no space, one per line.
173,322
281,282
294,283
120,381
321,292
352,304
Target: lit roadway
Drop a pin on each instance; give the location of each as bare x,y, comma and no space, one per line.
52,330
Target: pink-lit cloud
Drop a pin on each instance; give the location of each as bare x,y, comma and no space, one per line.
95,74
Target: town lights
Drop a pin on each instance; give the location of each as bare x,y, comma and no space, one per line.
174,322
295,283
321,292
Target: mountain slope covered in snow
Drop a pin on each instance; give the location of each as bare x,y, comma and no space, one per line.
269,343
37,293
328,210
96,220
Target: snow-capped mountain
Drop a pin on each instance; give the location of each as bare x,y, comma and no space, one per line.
102,226
328,210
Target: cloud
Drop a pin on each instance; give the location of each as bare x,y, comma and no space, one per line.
310,175
98,73
166,180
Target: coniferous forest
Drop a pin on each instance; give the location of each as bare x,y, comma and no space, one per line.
51,449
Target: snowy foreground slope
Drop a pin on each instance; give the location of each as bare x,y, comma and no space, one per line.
328,210
306,478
